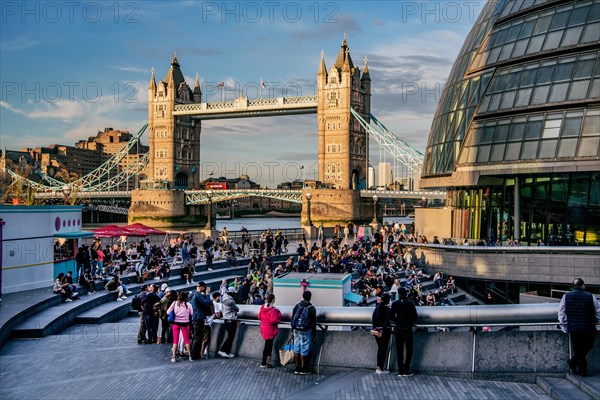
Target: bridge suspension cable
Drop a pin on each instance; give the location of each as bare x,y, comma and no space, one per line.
99,179
401,151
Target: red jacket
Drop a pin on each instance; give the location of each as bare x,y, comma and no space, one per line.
269,318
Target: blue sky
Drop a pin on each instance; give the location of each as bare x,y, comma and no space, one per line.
68,69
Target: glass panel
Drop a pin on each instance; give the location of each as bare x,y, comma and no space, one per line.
488,135
513,80
543,24
527,29
484,154
594,13
545,75
533,129
494,102
578,16
591,33
571,36
501,37
508,99
564,70
529,76
584,68
551,128
512,151
571,127
535,44
559,92
567,148
498,152
540,94
501,133
579,90
552,40
523,97
529,150
494,55
560,20
560,186
472,154
588,147
516,131
548,149
579,189
595,90
520,48
591,124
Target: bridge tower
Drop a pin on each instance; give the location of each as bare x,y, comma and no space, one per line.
343,146
174,160
343,143
174,140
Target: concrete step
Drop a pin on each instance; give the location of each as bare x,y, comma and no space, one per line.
561,389
115,311
55,319
589,384
457,297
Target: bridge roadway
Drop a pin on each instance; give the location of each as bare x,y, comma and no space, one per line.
104,361
200,196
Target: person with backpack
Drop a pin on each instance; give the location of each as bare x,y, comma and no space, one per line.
304,330
404,313
269,317
202,306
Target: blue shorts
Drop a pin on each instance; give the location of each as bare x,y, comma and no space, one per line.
302,342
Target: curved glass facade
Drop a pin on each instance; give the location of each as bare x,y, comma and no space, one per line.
522,107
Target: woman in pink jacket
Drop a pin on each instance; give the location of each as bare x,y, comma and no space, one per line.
183,312
269,317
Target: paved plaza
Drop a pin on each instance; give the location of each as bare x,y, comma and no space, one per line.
105,362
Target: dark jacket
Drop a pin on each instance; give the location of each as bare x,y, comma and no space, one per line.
148,303
312,315
381,317
581,315
404,313
199,302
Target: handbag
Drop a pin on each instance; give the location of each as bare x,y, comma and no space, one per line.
286,354
171,317
376,333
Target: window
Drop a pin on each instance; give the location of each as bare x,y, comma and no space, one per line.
551,128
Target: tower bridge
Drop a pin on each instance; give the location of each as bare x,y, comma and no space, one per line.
175,115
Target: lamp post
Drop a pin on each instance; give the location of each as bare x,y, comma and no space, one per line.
66,191
209,194
308,221
375,198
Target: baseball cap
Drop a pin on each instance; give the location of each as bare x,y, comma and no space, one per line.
164,287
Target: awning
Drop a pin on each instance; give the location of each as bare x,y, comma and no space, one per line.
115,231
143,229
353,297
74,235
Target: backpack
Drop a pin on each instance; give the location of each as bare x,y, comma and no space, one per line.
301,321
136,303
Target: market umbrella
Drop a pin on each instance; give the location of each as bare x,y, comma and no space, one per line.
115,231
144,229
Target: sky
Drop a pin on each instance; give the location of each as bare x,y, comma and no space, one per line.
69,69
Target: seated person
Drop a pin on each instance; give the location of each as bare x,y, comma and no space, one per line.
164,271
86,281
62,288
116,286
68,278
450,284
430,299
187,274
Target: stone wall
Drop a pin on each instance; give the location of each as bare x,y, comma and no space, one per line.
514,355
162,208
330,207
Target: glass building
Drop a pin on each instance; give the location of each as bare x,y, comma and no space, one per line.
515,138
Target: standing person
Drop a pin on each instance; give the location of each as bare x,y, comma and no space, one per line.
269,317
404,313
150,316
183,311
230,310
381,323
201,303
136,304
304,329
207,334
165,304
578,312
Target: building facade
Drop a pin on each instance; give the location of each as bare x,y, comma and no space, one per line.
516,134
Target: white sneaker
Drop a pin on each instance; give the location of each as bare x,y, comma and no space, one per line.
129,292
187,283
223,354
120,299
381,371
89,293
68,300
231,355
124,297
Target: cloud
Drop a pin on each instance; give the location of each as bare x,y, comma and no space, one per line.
203,52
19,43
131,69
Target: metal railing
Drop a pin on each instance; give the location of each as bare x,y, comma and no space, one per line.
457,316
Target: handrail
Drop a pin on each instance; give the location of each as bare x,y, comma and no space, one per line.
480,315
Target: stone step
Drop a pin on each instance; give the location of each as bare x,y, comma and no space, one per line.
116,311
589,384
561,389
55,319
